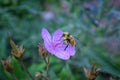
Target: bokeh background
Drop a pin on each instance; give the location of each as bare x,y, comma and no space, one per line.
95,24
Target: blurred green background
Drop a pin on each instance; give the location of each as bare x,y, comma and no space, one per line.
95,24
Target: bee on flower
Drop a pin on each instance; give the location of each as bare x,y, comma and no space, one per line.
68,39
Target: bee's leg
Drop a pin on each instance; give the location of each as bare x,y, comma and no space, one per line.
66,47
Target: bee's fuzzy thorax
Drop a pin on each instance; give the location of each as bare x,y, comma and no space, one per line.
68,39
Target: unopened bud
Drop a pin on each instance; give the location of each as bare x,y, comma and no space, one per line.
7,64
16,51
42,51
92,73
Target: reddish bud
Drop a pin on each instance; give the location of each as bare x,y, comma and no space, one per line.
42,51
7,64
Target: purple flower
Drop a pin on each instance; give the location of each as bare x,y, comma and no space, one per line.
55,44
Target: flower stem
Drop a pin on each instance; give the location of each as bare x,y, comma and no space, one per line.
13,75
21,62
47,62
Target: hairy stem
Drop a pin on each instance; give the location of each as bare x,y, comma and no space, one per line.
25,69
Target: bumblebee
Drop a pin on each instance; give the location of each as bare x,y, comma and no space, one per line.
68,39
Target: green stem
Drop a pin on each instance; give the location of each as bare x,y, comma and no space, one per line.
47,62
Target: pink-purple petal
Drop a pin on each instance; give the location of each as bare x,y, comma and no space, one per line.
71,50
47,40
62,54
49,47
46,36
57,36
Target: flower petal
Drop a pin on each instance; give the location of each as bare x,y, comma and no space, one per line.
71,50
62,54
47,40
57,36
49,47
46,35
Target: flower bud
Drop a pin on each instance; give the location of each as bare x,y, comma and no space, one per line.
7,64
16,51
92,73
42,51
